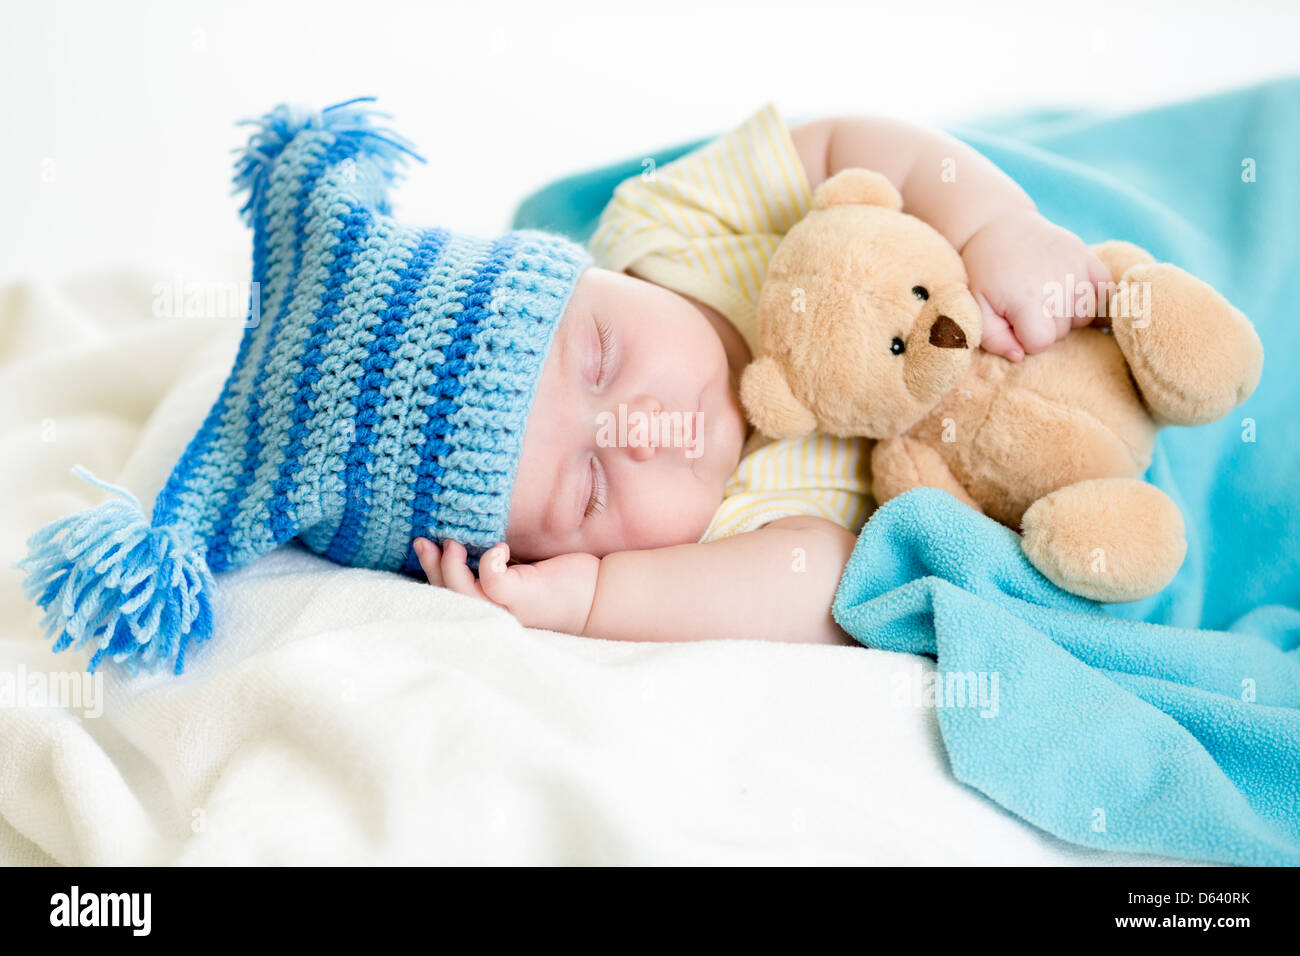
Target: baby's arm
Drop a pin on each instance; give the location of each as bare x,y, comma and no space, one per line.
773,584
1011,252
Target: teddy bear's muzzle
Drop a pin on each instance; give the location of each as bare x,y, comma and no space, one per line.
947,334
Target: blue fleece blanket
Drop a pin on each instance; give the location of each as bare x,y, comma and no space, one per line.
1171,725
1109,733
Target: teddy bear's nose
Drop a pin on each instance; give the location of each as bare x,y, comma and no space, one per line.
947,334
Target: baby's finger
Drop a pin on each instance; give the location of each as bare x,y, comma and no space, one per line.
1054,320
456,573
1065,321
498,583
1080,305
996,335
430,556
1099,276
494,561
1034,330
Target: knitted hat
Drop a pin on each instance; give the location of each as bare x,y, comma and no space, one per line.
380,394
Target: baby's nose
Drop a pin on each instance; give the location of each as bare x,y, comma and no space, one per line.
643,427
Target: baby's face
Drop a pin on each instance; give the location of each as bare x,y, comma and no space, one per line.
626,352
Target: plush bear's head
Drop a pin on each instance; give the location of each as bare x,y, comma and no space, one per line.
864,319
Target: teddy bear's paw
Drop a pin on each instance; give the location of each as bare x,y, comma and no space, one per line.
1194,357
1109,539
1119,256
770,404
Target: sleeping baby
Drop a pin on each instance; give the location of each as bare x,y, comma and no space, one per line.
644,507
551,427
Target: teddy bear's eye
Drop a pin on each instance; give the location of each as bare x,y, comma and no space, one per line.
921,292
896,346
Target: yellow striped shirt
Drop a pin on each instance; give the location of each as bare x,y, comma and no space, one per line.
705,225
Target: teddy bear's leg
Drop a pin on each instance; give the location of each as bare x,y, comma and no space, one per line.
1109,539
900,464
1193,356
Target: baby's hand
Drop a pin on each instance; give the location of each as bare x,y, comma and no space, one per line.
1012,263
555,594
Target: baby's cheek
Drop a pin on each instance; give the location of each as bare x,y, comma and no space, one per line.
524,532
676,512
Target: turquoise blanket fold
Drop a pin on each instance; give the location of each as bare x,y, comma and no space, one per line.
1114,734
1152,701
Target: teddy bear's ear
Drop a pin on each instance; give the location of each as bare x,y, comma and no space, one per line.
770,404
857,186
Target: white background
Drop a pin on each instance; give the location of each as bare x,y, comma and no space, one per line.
118,119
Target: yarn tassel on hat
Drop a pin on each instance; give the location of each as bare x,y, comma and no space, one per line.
382,149
141,593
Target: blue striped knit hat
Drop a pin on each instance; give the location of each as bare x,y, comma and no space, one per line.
380,394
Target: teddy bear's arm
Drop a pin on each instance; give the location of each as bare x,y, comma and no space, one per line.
770,404
902,463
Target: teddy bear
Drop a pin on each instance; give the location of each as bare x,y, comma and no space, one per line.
866,328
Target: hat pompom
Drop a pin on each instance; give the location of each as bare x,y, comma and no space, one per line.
383,151
142,593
